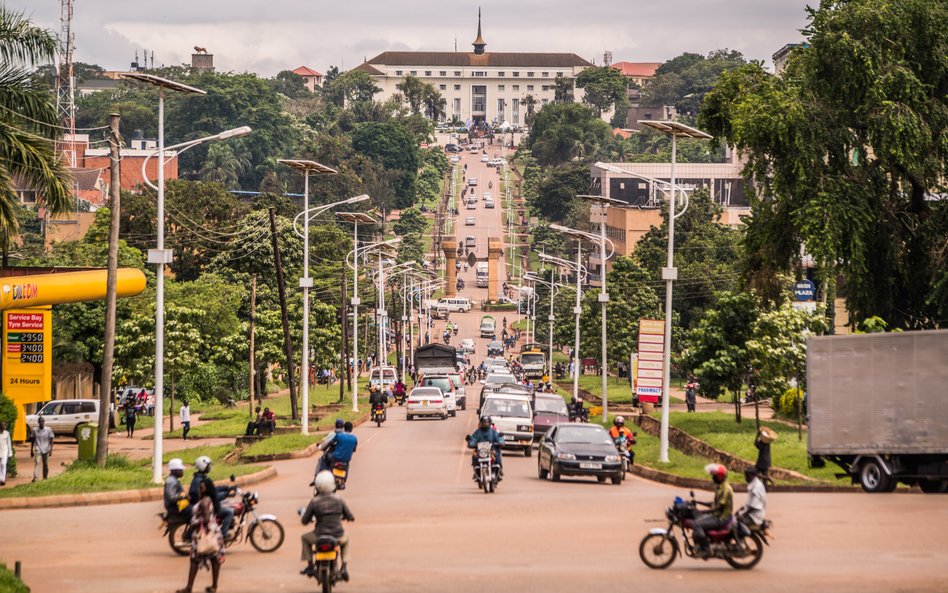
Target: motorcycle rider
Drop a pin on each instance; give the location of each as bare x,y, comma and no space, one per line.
399,389
754,510
619,429
339,448
486,433
226,513
720,509
329,512
326,459
176,501
377,398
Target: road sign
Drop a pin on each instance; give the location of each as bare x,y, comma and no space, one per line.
27,360
648,371
804,290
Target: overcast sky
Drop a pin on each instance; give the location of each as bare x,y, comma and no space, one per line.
266,37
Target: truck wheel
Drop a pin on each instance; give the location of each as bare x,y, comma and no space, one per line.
873,478
933,486
528,452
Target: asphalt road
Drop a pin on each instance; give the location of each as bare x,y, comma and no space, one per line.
422,526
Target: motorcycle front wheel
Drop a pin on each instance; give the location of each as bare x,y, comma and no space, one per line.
266,535
658,550
755,550
176,539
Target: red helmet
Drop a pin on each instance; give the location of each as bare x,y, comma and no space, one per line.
716,470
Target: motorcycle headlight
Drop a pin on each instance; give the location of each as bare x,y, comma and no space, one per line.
566,456
612,458
483,453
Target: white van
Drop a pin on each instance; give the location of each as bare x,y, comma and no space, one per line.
382,378
480,274
456,304
64,416
513,417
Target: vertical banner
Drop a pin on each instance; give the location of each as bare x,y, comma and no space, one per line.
648,372
27,360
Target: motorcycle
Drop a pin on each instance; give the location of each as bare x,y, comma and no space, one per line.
327,562
487,472
735,543
400,396
378,414
264,532
446,337
455,329
624,446
577,413
340,471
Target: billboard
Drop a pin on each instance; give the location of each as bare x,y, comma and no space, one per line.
649,370
27,359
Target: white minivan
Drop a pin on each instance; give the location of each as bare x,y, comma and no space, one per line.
455,304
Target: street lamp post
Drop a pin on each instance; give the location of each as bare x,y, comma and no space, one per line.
307,167
670,272
577,309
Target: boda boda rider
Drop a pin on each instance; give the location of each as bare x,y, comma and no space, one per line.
720,508
203,466
620,429
486,433
329,511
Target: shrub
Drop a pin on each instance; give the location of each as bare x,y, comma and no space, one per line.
787,405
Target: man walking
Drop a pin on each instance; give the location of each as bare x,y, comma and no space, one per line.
185,415
41,448
6,451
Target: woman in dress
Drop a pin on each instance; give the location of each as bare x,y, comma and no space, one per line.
205,531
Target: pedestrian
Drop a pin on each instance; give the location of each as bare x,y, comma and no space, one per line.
253,427
207,542
185,415
41,448
131,414
765,437
6,451
691,395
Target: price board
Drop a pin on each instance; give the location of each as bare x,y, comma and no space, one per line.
651,357
27,359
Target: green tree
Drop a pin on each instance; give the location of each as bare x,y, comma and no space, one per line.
846,148
289,84
563,90
397,150
28,125
566,132
223,166
605,88
410,221
556,200
685,80
529,103
352,86
412,89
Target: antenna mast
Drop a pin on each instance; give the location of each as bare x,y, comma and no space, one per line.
65,78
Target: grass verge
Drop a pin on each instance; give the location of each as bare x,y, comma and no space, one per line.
281,443
9,583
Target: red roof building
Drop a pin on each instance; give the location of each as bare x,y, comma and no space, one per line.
311,78
639,72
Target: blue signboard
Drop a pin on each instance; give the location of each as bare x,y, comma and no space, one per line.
804,290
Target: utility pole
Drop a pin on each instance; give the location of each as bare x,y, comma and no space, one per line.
287,342
344,352
108,351
253,360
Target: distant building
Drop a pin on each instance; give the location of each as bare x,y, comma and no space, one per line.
479,86
201,61
637,72
781,56
311,78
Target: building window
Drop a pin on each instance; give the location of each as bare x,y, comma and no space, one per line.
529,74
501,74
414,73
457,73
529,87
545,101
443,87
559,74
398,73
516,87
500,87
480,73
479,96
516,112
516,75
427,72
546,75
457,106
500,109
457,87
545,87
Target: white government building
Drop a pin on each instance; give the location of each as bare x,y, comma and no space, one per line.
479,85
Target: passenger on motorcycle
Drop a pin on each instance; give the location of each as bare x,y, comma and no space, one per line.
619,429
340,448
754,510
399,389
176,501
329,512
720,509
203,466
326,459
378,398
486,433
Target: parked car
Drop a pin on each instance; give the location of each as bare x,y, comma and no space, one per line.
451,148
573,449
426,401
455,159
513,417
444,383
469,221
549,410
64,416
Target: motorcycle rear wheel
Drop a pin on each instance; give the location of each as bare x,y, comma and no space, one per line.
266,535
658,550
756,548
176,539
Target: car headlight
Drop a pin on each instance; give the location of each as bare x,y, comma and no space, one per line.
525,427
612,458
565,456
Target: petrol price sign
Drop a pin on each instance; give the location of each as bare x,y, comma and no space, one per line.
27,363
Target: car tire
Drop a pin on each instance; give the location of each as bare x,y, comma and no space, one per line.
453,413
601,479
444,416
528,452
554,475
617,479
873,477
542,473
409,417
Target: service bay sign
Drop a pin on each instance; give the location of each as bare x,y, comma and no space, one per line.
27,359
648,376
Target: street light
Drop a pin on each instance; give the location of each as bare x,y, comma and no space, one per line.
579,268
670,272
530,277
355,307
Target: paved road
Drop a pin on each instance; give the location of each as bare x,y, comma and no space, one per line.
422,526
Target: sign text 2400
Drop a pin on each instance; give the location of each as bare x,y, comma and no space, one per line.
24,357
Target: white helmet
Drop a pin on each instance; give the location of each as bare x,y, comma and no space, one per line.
203,463
325,482
175,464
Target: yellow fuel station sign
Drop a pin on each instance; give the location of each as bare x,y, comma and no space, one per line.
27,359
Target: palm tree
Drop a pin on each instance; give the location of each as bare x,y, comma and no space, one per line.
28,125
224,165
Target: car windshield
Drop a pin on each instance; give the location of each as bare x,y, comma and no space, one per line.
532,358
551,406
456,380
587,435
51,408
497,379
506,407
442,383
496,345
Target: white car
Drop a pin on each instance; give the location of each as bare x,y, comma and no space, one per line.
488,203
65,415
488,196
455,160
469,221
426,401
467,345
446,385
472,181
471,205
484,158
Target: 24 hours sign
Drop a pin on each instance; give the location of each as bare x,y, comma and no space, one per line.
27,356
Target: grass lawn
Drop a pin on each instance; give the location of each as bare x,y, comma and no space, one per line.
719,430
646,453
282,443
9,583
119,474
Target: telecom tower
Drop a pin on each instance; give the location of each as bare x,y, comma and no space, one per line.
65,79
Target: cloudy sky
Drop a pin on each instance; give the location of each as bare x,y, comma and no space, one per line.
266,37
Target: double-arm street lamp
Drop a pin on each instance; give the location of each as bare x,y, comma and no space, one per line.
577,309
534,279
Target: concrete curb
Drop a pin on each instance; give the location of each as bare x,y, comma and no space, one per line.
307,452
112,497
691,483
